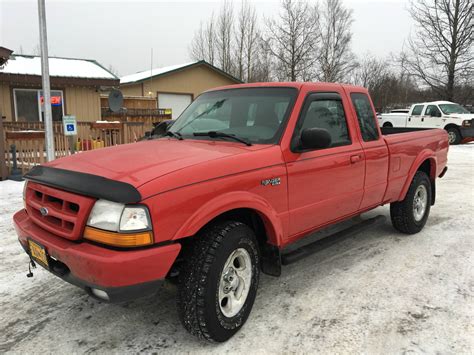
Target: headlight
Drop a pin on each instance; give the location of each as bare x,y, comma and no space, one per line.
467,123
24,193
117,217
119,225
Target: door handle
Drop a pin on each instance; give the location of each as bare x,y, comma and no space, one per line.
409,119
355,158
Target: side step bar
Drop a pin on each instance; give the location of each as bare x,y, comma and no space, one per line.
330,240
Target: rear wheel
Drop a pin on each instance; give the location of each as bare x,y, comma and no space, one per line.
454,135
409,216
387,125
219,281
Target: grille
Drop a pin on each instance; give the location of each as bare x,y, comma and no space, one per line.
59,212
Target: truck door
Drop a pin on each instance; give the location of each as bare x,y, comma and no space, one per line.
432,117
414,117
324,184
375,151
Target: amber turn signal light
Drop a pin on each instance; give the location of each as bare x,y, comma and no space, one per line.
118,239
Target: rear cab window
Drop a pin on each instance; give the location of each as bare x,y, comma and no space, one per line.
365,117
417,110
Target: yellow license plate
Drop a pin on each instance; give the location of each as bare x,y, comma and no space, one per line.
38,253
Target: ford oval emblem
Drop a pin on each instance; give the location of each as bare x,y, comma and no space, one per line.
44,211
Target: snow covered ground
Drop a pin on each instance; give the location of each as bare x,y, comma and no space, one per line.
378,292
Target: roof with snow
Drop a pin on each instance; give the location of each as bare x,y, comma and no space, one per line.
153,73
58,67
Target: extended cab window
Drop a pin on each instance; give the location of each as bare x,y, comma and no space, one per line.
432,111
417,110
326,114
365,116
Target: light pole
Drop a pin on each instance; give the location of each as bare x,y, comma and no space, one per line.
48,116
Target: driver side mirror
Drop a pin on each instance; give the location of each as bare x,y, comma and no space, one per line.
315,138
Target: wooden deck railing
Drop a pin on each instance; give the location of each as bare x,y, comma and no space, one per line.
28,138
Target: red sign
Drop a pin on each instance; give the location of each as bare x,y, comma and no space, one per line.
55,100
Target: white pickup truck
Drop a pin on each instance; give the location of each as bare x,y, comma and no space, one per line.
454,118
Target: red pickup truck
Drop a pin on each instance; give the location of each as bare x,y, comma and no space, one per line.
244,172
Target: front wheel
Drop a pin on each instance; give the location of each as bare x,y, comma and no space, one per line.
454,136
409,215
218,281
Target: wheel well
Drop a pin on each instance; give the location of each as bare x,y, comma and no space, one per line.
270,254
387,124
247,216
429,169
451,125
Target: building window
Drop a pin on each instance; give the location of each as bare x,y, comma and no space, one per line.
29,105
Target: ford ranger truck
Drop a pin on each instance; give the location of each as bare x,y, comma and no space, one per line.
244,172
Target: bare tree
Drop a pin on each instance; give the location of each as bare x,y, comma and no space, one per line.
370,71
203,45
113,70
252,44
246,41
224,36
335,59
440,55
292,39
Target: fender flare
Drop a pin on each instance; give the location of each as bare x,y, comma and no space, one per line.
231,201
426,154
388,121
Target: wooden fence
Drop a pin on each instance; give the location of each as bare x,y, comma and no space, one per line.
28,138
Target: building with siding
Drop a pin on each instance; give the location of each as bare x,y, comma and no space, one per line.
175,87
75,88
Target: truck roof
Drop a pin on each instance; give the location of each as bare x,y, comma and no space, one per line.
296,84
434,103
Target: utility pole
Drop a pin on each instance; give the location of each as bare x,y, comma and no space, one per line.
48,115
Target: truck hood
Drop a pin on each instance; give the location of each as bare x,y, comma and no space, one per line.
461,116
139,163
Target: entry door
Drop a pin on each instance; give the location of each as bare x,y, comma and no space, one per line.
324,184
176,102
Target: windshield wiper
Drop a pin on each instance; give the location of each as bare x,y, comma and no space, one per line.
215,134
176,135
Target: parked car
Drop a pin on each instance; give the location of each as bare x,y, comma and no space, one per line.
245,172
455,119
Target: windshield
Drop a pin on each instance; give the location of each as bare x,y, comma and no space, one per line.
255,114
452,108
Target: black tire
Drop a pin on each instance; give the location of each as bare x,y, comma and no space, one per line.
454,135
402,213
198,289
387,125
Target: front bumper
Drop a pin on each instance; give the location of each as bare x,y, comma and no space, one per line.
467,132
123,274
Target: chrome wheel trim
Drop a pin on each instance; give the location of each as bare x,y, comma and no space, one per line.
451,137
235,282
420,203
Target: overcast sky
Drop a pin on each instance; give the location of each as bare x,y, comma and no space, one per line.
122,33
